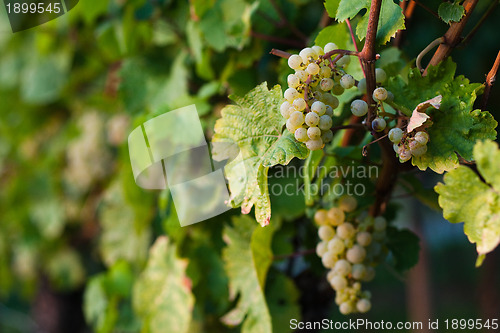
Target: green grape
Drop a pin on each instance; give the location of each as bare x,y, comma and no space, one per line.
419,151
327,136
319,108
396,148
369,274
380,75
291,127
296,119
330,100
291,94
346,308
422,137
362,86
330,47
390,96
347,81
336,245
356,254
345,230
325,232
301,134
380,94
336,216
320,217
359,107
328,259
326,84
324,122
312,119
299,104
325,71
329,110
285,109
338,282
344,61
364,238
358,271
312,68
302,75
363,305
379,124
295,61
404,154
314,133
314,144
348,204
318,50
321,248
342,267
307,54
395,135
293,81
337,90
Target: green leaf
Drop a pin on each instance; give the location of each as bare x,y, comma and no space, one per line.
255,125
448,11
283,296
100,311
162,296
456,126
337,33
464,197
248,257
391,18
331,7
404,246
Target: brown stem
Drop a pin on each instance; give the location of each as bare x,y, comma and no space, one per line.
340,51
490,80
280,53
488,12
452,36
285,41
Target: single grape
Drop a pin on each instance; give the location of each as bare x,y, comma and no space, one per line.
331,100
414,145
329,110
356,254
327,136
325,232
328,259
314,144
342,267
348,204
379,223
336,245
291,94
320,217
312,68
302,75
347,81
326,84
380,94
321,248
314,133
396,148
338,282
293,81
404,154
369,274
299,104
363,305
362,86
319,108
378,124
346,308
330,47
284,109
359,107
345,230
307,54
317,94
291,127
364,238
312,119
295,61
336,216
325,122
344,61
325,71
358,271
422,137
301,134
380,75
419,151
296,119
318,50
395,135
337,90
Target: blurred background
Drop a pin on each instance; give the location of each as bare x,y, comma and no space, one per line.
75,230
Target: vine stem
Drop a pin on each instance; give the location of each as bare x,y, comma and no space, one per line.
280,53
490,80
452,37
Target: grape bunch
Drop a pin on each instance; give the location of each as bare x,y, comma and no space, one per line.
351,245
407,145
311,94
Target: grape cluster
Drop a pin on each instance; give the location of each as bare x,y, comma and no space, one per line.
311,94
351,245
407,145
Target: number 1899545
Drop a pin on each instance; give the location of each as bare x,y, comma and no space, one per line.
38,8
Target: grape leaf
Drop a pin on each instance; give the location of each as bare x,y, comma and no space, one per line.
448,11
248,257
282,296
255,125
464,197
391,18
331,7
456,126
404,246
162,295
